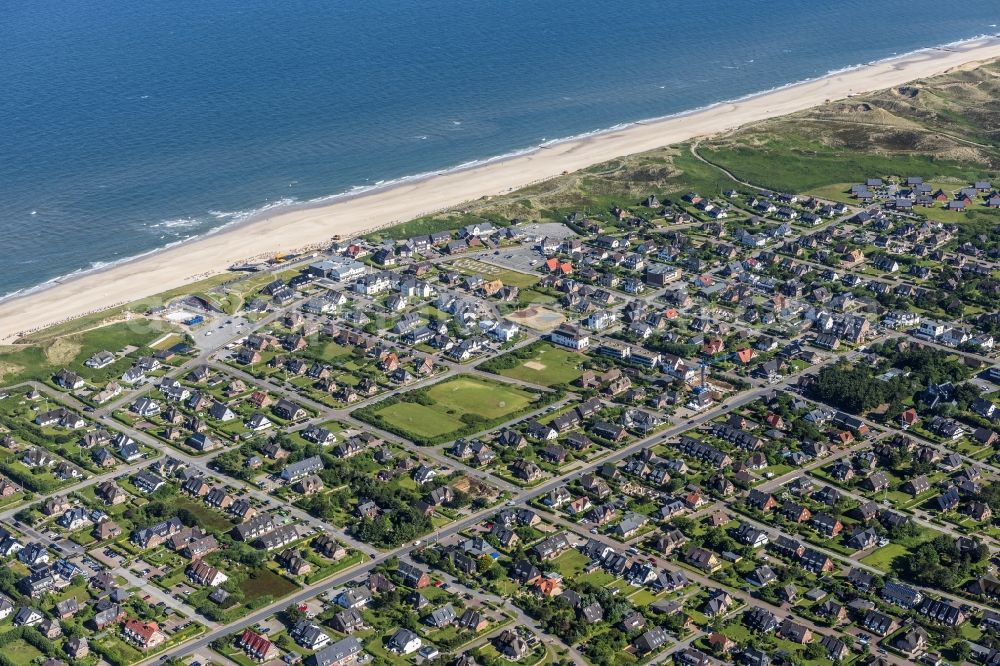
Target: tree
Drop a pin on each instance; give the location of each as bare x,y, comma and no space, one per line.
903,531
815,650
291,615
460,500
852,388
938,563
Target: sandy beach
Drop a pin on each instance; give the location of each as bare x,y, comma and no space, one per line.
294,229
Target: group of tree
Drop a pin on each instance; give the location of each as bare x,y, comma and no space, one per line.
939,563
563,620
856,388
852,388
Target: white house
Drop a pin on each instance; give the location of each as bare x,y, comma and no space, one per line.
6,607
133,375
404,641
101,359
600,320
505,331
931,330
571,337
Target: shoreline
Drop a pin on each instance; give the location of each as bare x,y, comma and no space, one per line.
297,225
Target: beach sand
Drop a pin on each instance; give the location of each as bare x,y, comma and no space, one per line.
295,229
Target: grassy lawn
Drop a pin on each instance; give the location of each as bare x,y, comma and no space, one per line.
169,580
439,520
882,558
970,632
236,655
331,351
597,577
13,499
451,408
529,296
207,517
334,567
444,634
737,632
643,597
471,395
264,582
117,651
436,595
533,658
21,652
419,419
547,366
383,656
163,557
571,563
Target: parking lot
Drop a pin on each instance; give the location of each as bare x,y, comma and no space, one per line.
215,331
525,258
522,259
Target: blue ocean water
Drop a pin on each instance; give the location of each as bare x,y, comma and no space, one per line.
126,126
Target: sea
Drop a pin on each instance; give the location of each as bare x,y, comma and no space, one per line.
126,127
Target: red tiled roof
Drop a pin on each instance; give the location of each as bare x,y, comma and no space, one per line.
254,643
143,630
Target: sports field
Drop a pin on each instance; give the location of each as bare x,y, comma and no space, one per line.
472,395
545,365
440,409
419,420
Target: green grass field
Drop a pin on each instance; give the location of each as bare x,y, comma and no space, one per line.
597,577
206,516
419,419
471,395
643,597
40,361
264,582
882,558
22,652
331,351
571,563
453,407
547,366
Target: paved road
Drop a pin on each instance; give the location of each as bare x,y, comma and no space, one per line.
773,532
885,431
520,616
524,497
208,356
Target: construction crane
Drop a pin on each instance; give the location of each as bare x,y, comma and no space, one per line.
707,361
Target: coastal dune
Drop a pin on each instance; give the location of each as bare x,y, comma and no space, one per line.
297,228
